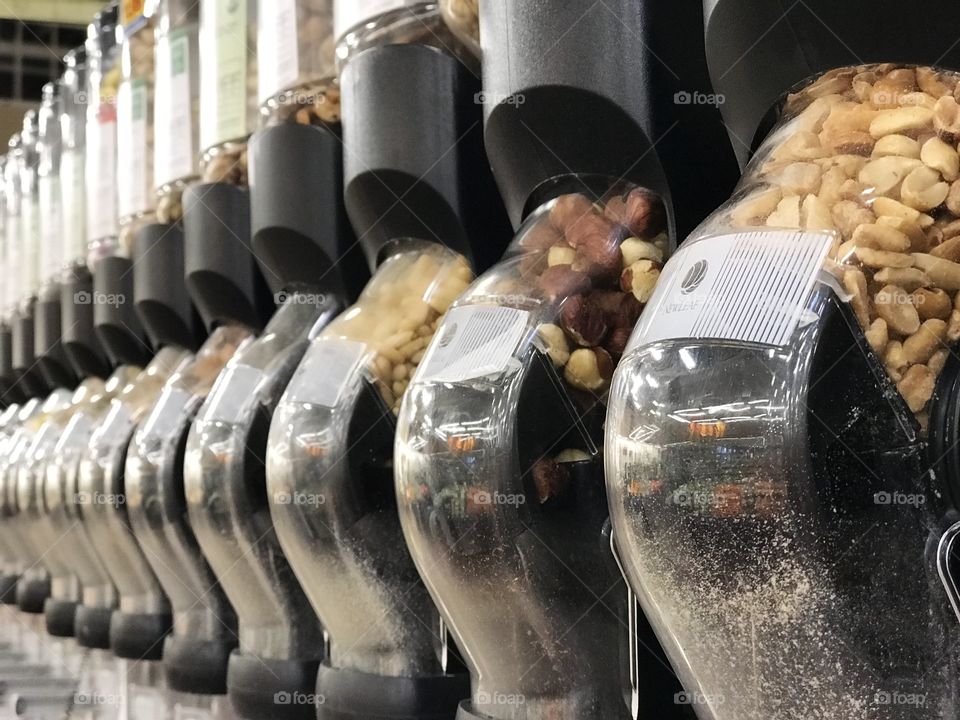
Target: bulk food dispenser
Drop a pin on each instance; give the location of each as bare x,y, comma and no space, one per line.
10,391
80,344
23,215
305,250
781,460
119,181
498,471
426,211
48,347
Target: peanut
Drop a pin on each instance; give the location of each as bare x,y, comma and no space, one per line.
900,120
907,278
885,173
943,158
893,305
897,145
923,190
855,283
945,274
919,347
877,335
916,387
883,258
932,303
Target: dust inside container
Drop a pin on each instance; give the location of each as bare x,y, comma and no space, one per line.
781,490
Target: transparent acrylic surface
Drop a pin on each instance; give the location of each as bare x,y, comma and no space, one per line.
30,239
145,690
62,495
775,507
228,79
101,486
31,503
49,152
297,68
16,436
100,693
226,492
154,488
176,161
103,82
13,252
73,132
500,501
329,469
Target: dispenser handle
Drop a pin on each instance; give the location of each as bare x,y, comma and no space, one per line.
945,550
633,655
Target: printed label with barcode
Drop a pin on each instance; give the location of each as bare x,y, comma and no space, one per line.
233,392
326,370
475,341
749,286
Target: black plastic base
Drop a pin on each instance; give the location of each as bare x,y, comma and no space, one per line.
8,589
198,667
265,688
10,392
48,344
61,617
114,319
32,593
160,295
351,695
139,636
80,343
465,712
92,627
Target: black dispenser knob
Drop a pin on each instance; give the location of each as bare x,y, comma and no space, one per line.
160,292
80,342
222,278
426,179
114,319
301,235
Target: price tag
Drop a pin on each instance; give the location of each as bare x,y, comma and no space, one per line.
234,391
327,369
278,47
475,341
748,286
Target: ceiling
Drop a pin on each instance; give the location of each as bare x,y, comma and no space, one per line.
71,12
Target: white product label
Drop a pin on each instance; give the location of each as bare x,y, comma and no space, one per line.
348,14
167,414
73,242
132,180
748,286
224,77
101,190
51,225
475,341
277,47
326,370
233,392
173,110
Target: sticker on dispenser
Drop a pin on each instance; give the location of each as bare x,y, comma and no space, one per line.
327,369
475,341
748,286
277,48
167,414
174,155
232,394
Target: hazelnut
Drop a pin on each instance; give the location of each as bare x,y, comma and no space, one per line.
541,236
589,369
550,479
616,343
629,311
634,249
567,209
561,255
583,321
562,280
644,213
640,279
555,342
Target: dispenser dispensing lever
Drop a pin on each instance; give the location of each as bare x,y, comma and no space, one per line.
948,577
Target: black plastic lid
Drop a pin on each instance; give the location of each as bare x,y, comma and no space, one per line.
92,625
48,340
572,89
197,666
80,342
25,366
301,235
32,593
114,319
415,165
60,617
159,288
10,391
139,636
8,589
759,49
269,688
222,276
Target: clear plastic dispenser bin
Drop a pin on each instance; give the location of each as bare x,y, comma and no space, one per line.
780,442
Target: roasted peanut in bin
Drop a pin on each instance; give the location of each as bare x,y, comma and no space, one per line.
399,312
600,262
871,153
